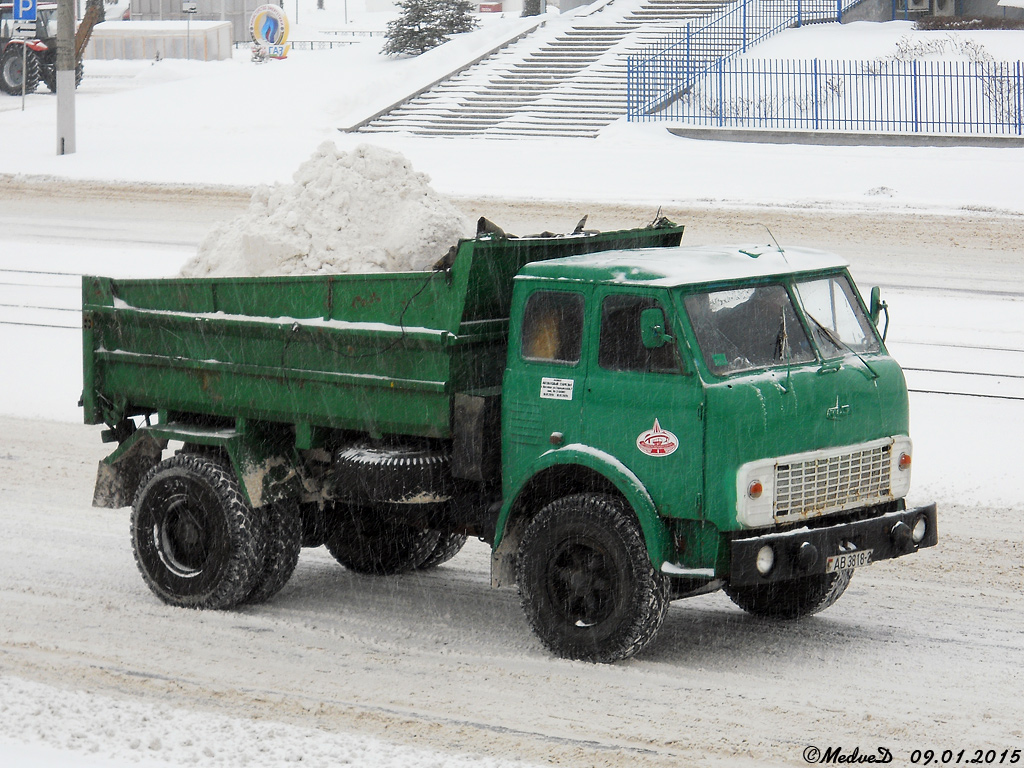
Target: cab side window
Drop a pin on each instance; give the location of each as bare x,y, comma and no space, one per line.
553,327
622,348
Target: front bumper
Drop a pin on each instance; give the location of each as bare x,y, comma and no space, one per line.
805,551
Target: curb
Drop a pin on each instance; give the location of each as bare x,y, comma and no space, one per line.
846,139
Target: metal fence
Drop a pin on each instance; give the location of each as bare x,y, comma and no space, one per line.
662,70
869,96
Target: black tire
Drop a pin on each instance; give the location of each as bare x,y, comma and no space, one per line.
791,599
197,543
448,546
11,73
369,540
282,544
376,474
586,582
49,74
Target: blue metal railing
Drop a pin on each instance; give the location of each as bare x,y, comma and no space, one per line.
662,71
944,97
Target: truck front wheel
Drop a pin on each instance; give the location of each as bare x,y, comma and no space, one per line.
586,582
197,543
366,540
793,598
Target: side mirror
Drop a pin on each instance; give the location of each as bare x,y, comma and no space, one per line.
652,328
877,308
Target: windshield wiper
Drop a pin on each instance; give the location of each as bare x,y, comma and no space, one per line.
838,342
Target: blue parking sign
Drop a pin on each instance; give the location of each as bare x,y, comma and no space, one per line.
24,10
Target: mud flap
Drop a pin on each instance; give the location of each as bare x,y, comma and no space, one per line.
118,476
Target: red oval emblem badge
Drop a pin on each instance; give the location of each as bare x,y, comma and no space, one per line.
657,441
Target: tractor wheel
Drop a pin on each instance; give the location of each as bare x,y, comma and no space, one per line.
49,75
791,599
14,70
197,543
586,582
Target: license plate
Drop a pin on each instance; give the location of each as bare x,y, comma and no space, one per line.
848,560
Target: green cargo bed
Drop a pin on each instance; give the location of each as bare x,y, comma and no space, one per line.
380,353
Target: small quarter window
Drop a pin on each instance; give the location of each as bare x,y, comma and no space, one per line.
553,327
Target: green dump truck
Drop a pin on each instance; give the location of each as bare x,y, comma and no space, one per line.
625,420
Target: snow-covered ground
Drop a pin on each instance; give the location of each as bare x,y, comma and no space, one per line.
235,122
239,124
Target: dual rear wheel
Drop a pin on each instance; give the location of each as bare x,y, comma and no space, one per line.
198,543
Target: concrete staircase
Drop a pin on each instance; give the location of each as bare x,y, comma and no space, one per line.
566,79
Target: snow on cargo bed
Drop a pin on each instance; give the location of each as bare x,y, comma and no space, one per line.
361,211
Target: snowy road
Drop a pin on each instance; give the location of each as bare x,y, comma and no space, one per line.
925,652
921,653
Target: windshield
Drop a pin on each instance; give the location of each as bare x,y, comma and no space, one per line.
837,320
742,329
46,23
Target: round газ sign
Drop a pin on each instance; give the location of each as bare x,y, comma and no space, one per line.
268,28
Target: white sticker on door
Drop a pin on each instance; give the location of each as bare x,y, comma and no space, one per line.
556,389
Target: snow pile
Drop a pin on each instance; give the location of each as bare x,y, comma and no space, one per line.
361,211
42,725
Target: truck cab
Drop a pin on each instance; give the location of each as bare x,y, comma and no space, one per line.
737,405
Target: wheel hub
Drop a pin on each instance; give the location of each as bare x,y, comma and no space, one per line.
181,539
582,584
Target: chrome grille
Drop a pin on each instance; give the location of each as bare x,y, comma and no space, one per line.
827,484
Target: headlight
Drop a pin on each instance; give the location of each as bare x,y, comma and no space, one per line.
765,560
920,529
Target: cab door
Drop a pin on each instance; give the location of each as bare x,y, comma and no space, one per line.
643,404
542,391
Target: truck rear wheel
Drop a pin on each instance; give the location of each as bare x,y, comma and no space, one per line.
791,599
448,546
366,540
12,73
586,582
197,543
282,545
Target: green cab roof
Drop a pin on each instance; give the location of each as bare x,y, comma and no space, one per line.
684,265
